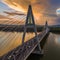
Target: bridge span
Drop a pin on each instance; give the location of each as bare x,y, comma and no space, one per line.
23,51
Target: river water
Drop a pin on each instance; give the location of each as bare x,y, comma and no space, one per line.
9,40
51,49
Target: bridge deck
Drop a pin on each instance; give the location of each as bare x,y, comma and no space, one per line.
22,52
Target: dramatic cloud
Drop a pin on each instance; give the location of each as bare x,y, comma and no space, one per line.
50,15
23,4
3,17
39,6
43,9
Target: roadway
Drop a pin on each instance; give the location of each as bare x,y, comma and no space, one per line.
22,52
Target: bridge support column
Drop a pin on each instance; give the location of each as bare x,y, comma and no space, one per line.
37,51
30,21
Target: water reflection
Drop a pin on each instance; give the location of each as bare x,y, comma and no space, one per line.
57,39
9,40
51,46
51,49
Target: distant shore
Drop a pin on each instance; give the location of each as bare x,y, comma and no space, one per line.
20,28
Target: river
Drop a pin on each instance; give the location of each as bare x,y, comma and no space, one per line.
9,40
51,49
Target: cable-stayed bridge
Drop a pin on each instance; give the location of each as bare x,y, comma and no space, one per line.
23,51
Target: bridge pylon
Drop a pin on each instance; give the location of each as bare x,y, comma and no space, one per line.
46,25
30,21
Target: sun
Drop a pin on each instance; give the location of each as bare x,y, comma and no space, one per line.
58,11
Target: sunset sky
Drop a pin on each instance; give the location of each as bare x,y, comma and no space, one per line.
43,9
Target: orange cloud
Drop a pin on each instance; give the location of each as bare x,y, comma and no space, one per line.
21,5
39,7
